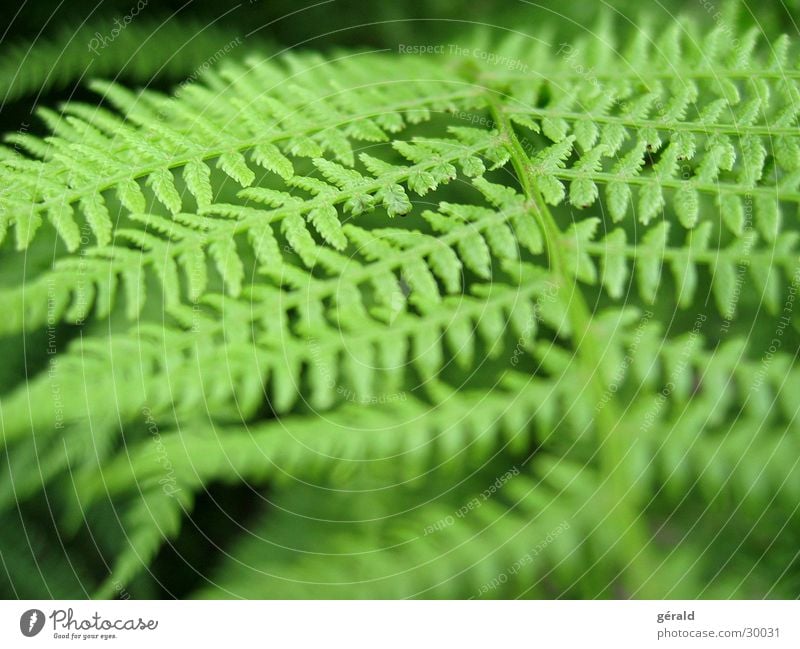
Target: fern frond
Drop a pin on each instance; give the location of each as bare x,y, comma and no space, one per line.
411,437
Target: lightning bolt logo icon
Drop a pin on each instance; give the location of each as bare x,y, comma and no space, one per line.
31,622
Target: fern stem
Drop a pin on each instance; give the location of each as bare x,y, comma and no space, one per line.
687,126
643,76
600,249
613,443
716,189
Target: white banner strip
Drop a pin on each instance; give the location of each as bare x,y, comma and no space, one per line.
401,625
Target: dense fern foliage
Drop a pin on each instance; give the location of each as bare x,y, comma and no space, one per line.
508,318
